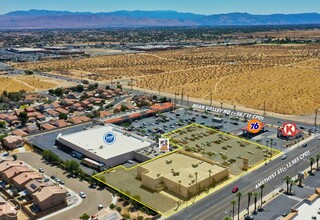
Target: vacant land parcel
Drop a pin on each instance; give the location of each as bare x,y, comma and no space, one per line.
255,74
237,154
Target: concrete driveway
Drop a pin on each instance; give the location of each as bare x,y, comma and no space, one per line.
89,205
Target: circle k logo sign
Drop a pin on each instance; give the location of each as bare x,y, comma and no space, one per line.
289,129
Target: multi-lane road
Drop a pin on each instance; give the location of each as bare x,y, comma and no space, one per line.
217,205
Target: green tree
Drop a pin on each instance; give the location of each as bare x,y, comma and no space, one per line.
79,88
51,157
249,198
2,124
85,216
227,218
119,209
233,203
28,72
23,117
291,184
123,108
239,194
112,206
72,166
14,156
63,116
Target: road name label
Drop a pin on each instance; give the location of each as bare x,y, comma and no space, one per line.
283,169
227,111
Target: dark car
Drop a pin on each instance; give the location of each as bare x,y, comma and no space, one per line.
304,145
235,189
53,177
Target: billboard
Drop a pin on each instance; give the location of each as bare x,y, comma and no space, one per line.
164,144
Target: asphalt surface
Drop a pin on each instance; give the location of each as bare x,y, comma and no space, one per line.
216,205
89,205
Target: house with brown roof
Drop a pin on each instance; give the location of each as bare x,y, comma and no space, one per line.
60,123
29,109
34,185
32,128
11,118
55,105
12,142
22,179
3,116
14,171
7,164
61,110
47,127
49,196
44,107
52,113
17,112
19,132
85,103
103,114
67,102
40,116
7,211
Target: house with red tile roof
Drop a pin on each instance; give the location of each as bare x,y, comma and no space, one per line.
52,113
60,123
104,114
33,185
47,127
62,110
49,196
19,132
29,109
55,105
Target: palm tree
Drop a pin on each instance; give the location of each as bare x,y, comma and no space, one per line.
287,179
291,183
249,198
267,142
261,194
209,177
255,194
318,157
239,194
271,142
233,203
311,163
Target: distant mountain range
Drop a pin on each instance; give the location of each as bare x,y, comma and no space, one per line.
41,19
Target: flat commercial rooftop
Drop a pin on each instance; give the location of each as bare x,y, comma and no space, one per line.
183,164
93,140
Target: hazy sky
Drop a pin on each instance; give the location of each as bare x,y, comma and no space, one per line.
195,6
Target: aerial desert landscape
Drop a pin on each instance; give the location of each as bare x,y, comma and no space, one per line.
252,74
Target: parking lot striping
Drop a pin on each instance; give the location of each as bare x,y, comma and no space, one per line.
199,197
283,168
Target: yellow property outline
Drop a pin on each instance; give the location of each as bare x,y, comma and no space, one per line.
197,197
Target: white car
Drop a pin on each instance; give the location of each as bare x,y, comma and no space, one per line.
82,195
283,157
318,138
100,207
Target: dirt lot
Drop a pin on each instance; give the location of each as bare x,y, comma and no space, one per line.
29,83
219,147
285,77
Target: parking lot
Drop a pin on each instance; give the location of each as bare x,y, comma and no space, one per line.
94,197
46,141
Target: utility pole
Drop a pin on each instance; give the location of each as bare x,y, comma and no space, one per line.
221,105
159,90
234,108
188,100
131,83
182,97
264,108
211,98
315,118
175,98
